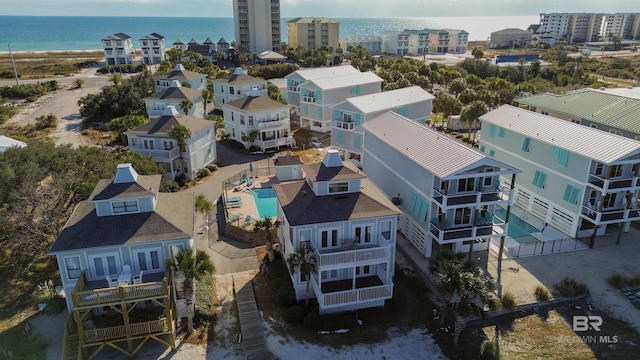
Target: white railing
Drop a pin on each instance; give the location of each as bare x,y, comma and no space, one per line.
270,124
157,154
356,295
348,125
354,256
309,99
267,144
537,248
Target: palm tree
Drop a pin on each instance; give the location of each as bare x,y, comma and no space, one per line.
305,261
181,134
116,78
186,105
266,225
471,113
207,96
194,266
467,291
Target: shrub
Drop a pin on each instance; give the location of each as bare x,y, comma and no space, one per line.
570,287
169,186
488,350
633,281
254,148
286,296
181,180
46,121
204,172
212,167
295,314
618,281
542,293
312,322
508,301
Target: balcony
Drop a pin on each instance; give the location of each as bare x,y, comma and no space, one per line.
610,216
274,143
352,254
349,295
309,99
157,155
347,125
485,197
272,124
294,88
617,183
444,233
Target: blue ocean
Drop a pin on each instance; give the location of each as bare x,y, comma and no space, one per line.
48,33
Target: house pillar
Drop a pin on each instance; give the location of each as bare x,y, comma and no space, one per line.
502,238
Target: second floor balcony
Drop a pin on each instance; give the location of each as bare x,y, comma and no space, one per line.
272,124
309,99
346,125
619,183
444,232
354,254
162,155
487,196
611,215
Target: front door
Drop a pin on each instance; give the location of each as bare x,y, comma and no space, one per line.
149,260
105,264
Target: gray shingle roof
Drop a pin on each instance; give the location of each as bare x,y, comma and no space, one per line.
429,149
180,93
161,126
579,139
118,36
613,110
144,186
320,172
180,75
301,209
256,103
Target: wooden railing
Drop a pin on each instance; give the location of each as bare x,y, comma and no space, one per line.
88,298
70,330
115,332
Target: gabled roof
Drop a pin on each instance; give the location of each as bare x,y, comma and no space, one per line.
208,41
180,73
178,42
176,92
343,81
193,41
591,143
611,109
511,31
271,55
322,172
431,150
239,76
387,99
118,36
302,207
222,41
160,127
152,36
323,72
256,103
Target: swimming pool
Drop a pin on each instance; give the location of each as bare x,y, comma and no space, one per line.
519,229
266,202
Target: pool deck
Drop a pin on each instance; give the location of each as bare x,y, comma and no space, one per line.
549,234
239,211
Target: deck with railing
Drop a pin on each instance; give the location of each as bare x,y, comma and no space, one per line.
84,296
353,254
157,154
125,331
340,293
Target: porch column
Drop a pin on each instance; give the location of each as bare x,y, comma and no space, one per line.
502,238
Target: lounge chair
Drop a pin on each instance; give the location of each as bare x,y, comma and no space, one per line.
248,219
235,217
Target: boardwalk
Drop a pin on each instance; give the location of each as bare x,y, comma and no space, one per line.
253,342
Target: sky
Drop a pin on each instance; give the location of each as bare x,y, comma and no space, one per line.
329,8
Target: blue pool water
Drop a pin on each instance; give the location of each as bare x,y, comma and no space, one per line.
519,229
266,202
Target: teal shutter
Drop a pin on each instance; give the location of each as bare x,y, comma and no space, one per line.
340,137
567,193
305,109
304,92
319,112
358,119
492,131
319,95
405,111
412,204
556,152
358,89
399,111
563,158
526,144
357,142
501,132
423,211
336,114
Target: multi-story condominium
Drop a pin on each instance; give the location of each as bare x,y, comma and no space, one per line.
318,95
196,80
348,116
395,42
299,76
351,227
313,32
258,120
613,110
152,48
257,25
179,44
458,41
118,49
627,26
438,41
174,95
570,27
111,255
511,38
447,191
236,86
418,42
373,44
580,180
153,139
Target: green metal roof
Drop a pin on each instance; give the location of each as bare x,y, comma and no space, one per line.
612,110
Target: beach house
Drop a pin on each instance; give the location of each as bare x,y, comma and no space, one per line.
580,180
118,49
349,115
447,191
351,227
153,139
236,86
111,255
174,95
258,120
318,95
179,44
194,80
152,48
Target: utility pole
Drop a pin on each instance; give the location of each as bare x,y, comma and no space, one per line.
15,72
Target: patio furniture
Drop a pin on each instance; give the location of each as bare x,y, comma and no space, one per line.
235,217
137,279
125,276
234,199
248,219
111,282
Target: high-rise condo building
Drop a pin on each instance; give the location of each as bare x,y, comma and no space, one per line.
257,25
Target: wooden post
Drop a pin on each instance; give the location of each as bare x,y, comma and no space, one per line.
502,238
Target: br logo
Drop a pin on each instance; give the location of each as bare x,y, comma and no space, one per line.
584,323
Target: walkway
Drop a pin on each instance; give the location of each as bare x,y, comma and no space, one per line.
253,342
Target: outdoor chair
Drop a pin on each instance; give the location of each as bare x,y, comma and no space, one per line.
111,282
137,279
248,219
235,217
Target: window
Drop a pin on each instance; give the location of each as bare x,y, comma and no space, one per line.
571,194
488,180
599,169
363,234
526,144
168,145
561,155
492,152
385,229
609,200
616,132
107,264
338,187
539,179
250,120
233,118
73,267
466,185
241,119
120,207
231,90
148,260
462,216
492,131
329,238
615,170
482,148
501,132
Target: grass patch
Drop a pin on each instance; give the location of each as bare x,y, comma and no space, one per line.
50,64
620,281
508,300
542,293
570,287
20,342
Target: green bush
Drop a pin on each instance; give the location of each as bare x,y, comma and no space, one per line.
169,186
542,293
295,314
312,322
489,350
286,296
618,281
570,287
204,299
212,167
46,122
508,301
204,172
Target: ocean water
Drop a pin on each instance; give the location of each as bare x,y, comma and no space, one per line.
47,33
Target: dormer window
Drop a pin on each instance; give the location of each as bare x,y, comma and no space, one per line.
124,207
338,187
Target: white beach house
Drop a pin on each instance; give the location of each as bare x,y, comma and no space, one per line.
195,80
236,86
118,49
152,48
174,95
